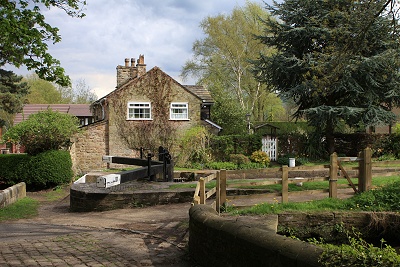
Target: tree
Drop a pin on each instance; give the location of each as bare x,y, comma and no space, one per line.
335,60
12,93
221,62
25,35
45,92
81,93
42,91
43,131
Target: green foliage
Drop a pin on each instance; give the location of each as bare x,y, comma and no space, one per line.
260,157
43,131
386,198
221,62
193,147
45,170
223,146
284,160
333,73
358,253
388,145
12,92
220,166
238,159
12,169
26,34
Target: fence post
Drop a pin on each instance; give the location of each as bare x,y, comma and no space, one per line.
365,170
221,189
333,176
285,184
202,191
218,192
151,178
222,178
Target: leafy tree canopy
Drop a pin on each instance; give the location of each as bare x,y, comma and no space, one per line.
12,93
43,131
338,60
25,35
44,92
221,63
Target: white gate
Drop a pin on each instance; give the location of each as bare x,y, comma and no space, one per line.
269,146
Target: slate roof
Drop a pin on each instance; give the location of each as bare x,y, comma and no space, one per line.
201,92
78,110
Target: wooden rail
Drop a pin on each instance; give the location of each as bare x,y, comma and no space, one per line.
201,195
364,179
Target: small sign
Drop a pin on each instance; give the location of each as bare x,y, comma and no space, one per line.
107,159
109,180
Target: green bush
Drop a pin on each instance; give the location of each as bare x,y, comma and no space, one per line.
260,157
12,169
223,146
285,160
45,170
43,131
238,159
220,166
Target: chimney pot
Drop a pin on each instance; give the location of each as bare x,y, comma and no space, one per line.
133,62
126,62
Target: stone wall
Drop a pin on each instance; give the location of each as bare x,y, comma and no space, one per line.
87,197
214,241
12,194
88,148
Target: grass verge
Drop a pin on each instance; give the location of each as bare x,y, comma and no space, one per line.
386,197
22,209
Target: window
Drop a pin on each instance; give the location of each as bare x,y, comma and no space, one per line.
139,111
179,111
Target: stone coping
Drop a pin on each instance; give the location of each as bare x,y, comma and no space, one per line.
12,194
216,241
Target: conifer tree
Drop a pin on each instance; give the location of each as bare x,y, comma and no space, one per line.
338,60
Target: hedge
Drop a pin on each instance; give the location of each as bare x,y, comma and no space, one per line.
45,170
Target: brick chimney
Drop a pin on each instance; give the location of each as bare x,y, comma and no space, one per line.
130,71
141,67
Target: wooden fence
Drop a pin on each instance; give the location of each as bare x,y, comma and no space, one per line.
336,167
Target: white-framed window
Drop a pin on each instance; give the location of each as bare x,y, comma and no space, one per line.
179,111
139,111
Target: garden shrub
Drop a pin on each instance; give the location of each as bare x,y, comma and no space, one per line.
238,159
12,169
220,166
260,157
223,146
45,170
43,131
193,147
388,145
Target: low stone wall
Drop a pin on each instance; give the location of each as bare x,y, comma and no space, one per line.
215,241
12,194
87,197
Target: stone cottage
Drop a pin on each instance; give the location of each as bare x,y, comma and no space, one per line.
147,109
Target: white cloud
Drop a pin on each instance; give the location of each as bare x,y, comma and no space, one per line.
113,30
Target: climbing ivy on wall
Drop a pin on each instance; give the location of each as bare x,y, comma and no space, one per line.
156,88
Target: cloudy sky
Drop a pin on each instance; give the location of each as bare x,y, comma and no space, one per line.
162,30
